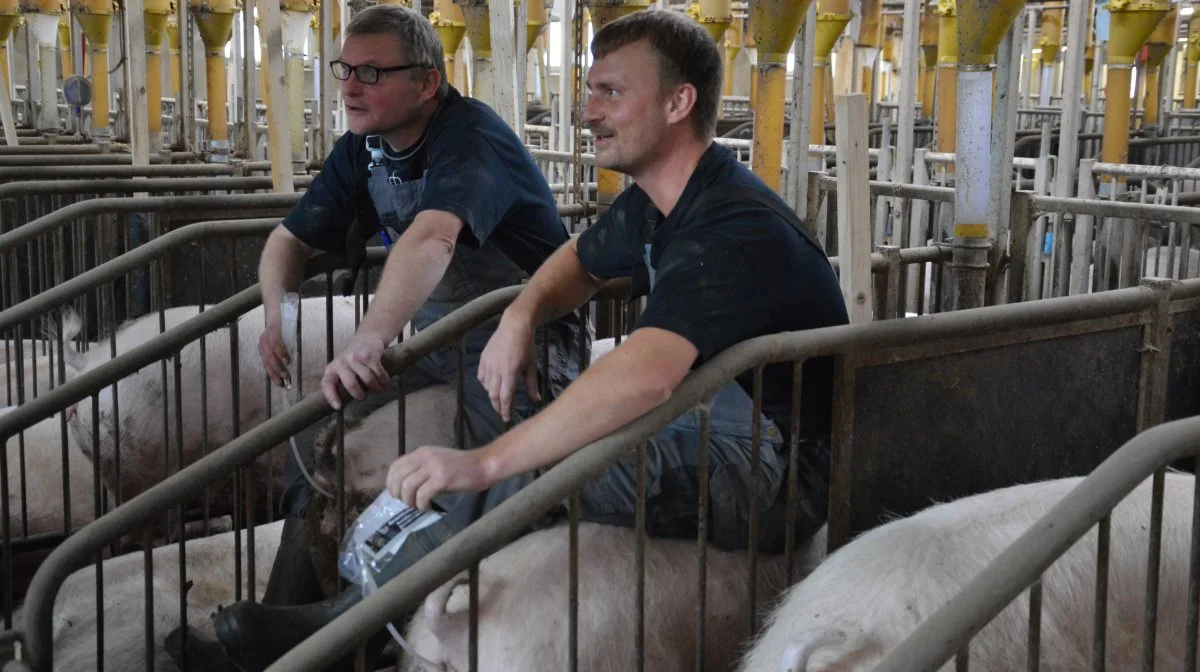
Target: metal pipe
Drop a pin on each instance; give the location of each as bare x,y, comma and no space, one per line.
947,75
832,17
101,206
154,185
59,172
1130,25
41,19
156,13
1190,58
215,19
1159,45
983,24
447,19
1089,52
776,24
295,16
478,20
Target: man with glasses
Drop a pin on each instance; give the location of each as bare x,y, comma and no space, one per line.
454,194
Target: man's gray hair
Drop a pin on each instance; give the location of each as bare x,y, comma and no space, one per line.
418,38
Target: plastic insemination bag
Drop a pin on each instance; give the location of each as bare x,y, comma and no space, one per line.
377,535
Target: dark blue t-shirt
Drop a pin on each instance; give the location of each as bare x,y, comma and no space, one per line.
726,272
474,167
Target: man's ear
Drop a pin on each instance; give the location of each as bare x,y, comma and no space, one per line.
680,103
431,82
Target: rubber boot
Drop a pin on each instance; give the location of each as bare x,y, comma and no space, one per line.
293,580
256,635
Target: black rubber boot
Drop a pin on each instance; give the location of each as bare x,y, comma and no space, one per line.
293,580
256,635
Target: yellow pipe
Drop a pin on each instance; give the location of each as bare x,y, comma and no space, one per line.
64,46
870,38
1130,25
155,13
447,19
607,11
1157,49
715,16
929,52
775,24
174,74
95,19
295,17
1050,41
1191,57
10,16
215,20
535,22
733,48
832,17
947,75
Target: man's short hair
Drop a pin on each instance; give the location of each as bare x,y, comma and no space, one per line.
687,54
418,39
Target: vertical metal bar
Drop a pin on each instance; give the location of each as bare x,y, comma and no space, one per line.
460,391
702,541
1099,625
1193,607
573,587
755,461
98,508
962,662
473,619
1035,626
640,532
793,482
1153,563
340,474
148,574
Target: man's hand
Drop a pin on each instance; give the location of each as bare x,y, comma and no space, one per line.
274,355
359,368
507,357
429,471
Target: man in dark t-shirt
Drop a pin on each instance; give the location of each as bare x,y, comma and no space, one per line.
720,258
464,210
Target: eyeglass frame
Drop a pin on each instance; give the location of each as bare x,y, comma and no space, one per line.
353,70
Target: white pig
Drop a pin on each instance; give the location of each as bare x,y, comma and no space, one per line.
142,395
870,595
43,481
210,572
523,617
36,371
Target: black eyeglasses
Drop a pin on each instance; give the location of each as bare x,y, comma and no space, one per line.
367,74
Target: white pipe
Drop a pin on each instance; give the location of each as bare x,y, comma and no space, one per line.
295,32
1047,84
45,29
973,143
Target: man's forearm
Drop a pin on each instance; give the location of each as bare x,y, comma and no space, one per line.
560,286
413,269
622,386
280,270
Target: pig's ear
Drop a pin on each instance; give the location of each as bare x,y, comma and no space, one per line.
795,657
439,622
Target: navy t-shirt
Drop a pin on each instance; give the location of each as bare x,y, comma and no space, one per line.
474,167
724,273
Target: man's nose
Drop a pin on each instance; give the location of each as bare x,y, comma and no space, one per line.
591,113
